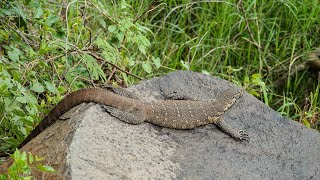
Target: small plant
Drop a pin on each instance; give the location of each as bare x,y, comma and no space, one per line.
255,84
23,165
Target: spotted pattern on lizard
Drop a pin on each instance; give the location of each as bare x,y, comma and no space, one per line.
177,114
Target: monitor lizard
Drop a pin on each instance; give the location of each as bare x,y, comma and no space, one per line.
177,114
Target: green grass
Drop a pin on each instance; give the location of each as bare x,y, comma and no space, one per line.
45,52
265,37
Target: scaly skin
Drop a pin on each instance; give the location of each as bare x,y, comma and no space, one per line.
177,114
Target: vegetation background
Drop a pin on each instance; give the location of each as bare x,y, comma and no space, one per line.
51,48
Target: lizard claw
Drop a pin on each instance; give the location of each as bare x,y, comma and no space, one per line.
243,136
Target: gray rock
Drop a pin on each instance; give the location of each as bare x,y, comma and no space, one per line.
102,147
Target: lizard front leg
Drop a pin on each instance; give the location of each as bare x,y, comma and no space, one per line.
233,132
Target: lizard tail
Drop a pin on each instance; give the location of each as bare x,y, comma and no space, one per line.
97,95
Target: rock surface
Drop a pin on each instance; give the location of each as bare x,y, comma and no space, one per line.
93,145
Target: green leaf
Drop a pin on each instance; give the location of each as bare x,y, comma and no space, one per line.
20,12
256,80
49,99
9,12
147,66
205,72
143,29
256,76
3,87
43,49
31,158
45,168
37,158
22,130
94,68
38,13
3,177
11,141
22,99
32,99
120,36
32,108
31,52
23,156
8,83
254,93
62,89
13,56
51,20
156,61
16,154
102,22
109,52
112,28
130,61
51,87
144,41
142,49
306,123
185,64
246,79
43,103
27,178
37,87
19,112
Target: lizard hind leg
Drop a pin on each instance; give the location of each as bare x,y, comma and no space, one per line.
233,132
124,116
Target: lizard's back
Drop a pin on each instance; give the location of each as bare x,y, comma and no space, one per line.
186,114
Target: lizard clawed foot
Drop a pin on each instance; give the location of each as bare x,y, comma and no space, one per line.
243,136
